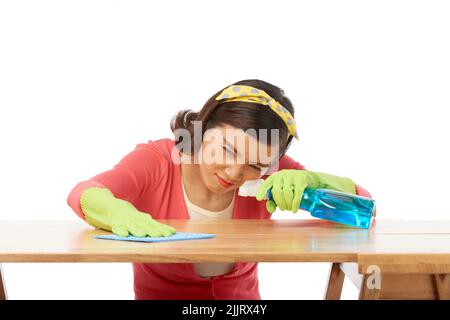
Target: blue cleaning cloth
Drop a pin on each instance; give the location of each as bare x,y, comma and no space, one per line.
176,237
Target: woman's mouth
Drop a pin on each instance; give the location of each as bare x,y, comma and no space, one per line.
224,183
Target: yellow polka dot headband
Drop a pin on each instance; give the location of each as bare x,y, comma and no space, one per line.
254,95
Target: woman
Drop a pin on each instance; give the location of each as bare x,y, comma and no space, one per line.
241,134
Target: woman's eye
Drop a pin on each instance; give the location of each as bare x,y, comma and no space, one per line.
256,168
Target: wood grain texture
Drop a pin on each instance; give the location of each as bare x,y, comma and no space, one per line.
243,240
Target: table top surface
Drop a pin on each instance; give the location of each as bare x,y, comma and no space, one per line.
237,240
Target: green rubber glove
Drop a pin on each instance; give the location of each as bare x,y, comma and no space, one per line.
288,186
104,211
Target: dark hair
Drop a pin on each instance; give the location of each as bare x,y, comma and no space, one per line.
241,115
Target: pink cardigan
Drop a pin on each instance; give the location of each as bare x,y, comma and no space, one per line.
149,179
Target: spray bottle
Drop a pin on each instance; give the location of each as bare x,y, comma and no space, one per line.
336,206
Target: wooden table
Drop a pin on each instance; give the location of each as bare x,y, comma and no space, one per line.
408,250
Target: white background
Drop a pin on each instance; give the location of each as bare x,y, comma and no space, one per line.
83,82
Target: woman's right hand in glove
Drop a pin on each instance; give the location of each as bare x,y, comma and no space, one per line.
104,211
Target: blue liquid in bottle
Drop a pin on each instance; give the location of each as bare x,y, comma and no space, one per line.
336,206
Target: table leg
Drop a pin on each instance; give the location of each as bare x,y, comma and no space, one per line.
335,282
3,295
366,292
442,286
395,286
408,286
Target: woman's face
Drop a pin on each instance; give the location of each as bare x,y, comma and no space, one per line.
229,156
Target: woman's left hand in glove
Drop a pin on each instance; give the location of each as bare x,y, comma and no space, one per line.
288,186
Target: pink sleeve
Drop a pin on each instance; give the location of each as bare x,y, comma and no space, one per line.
360,191
285,162
136,172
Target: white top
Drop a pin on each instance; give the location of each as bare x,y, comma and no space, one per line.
207,270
